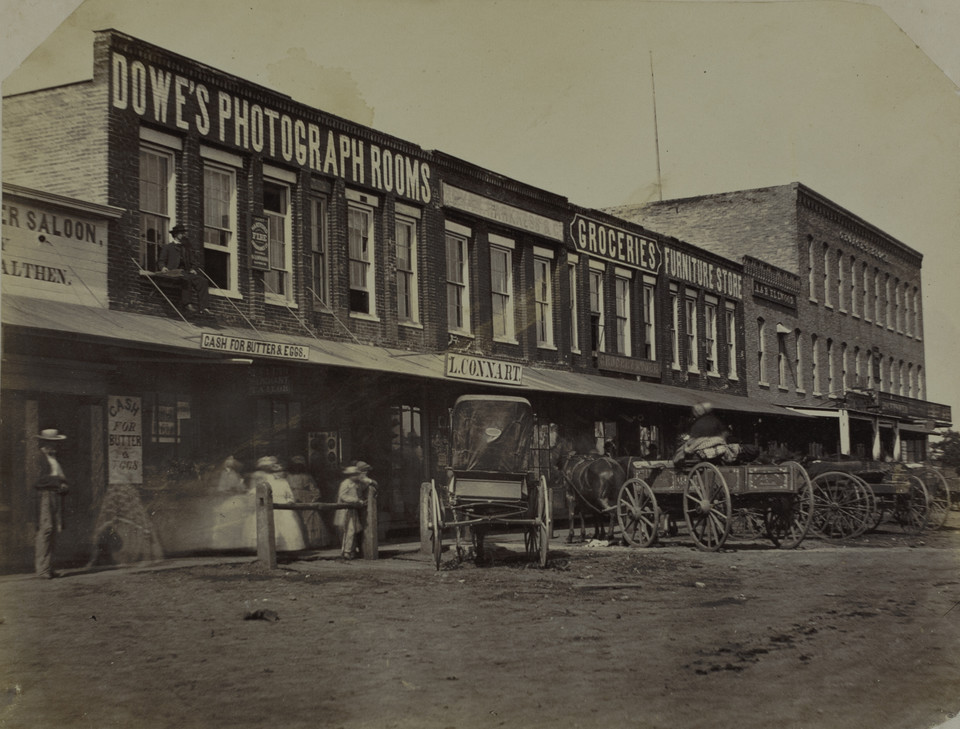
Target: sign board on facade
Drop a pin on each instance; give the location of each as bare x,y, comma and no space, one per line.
775,294
124,440
251,123
602,240
481,369
702,273
270,381
471,202
54,254
253,347
628,365
259,244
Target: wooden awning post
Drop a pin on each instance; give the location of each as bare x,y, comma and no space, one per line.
371,539
266,531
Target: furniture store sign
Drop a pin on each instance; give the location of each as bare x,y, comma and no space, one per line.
481,369
239,346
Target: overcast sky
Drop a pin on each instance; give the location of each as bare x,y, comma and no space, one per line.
557,93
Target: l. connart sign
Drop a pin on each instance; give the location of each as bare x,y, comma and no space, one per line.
480,369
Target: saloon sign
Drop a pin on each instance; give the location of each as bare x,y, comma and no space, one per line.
614,244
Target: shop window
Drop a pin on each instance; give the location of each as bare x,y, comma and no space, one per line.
319,275
458,284
693,347
543,301
157,202
574,309
278,428
710,335
408,306
501,292
622,298
276,208
597,343
361,247
220,226
649,318
164,413
406,453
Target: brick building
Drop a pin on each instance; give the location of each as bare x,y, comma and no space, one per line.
834,321
358,283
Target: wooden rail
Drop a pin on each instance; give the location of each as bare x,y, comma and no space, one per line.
266,530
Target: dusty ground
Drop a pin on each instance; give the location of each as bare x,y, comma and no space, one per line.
865,634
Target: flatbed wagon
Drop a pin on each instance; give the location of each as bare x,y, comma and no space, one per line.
715,501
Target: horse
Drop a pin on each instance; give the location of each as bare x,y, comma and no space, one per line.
591,483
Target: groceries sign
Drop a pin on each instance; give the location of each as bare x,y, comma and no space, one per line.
618,245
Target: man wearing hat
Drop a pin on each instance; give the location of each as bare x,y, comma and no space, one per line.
51,484
177,258
353,490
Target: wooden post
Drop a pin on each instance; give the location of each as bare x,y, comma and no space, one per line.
266,531
371,539
426,547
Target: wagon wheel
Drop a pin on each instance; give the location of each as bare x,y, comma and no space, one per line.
841,505
914,506
789,520
877,509
749,522
544,525
436,525
637,513
939,493
707,507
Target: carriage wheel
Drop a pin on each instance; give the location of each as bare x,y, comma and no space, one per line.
749,522
789,520
842,505
707,507
939,493
914,506
544,521
436,525
637,513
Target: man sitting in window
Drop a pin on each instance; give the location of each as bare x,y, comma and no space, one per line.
177,259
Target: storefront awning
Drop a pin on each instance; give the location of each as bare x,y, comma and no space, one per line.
176,337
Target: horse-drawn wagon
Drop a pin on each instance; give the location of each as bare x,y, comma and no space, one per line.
716,501
855,496
488,482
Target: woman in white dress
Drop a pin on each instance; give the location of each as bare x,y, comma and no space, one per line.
289,533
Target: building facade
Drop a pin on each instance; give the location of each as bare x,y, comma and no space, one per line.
358,285
835,314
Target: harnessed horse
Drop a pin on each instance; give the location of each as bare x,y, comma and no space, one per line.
591,483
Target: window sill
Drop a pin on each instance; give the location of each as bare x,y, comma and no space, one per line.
411,325
814,301
855,315
224,294
693,371
733,378
781,388
765,385
364,317
842,311
550,347
575,350
505,340
715,375
827,305
279,301
801,392
460,333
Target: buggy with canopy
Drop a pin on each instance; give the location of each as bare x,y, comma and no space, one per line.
489,482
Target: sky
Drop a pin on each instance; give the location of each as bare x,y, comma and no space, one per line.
857,100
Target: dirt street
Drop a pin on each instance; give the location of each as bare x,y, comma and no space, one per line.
865,634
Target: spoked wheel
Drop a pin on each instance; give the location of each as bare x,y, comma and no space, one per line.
637,513
436,525
749,522
790,517
544,527
913,507
842,505
939,493
707,507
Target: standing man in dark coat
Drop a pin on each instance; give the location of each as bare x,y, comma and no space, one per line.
177,258
50,486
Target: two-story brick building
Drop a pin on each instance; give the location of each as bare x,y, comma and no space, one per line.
358,285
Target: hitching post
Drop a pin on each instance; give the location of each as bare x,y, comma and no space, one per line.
425,517
266,537
371,540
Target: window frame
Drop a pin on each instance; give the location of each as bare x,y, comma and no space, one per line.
710,334
675,320
596,280
366,208
730,324
460,236
503,248
574,307
231,250
692,335
169,199
270,295
649,303
318,236
406,219
543,297
622,301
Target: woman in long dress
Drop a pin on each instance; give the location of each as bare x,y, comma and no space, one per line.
306,492
289,533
